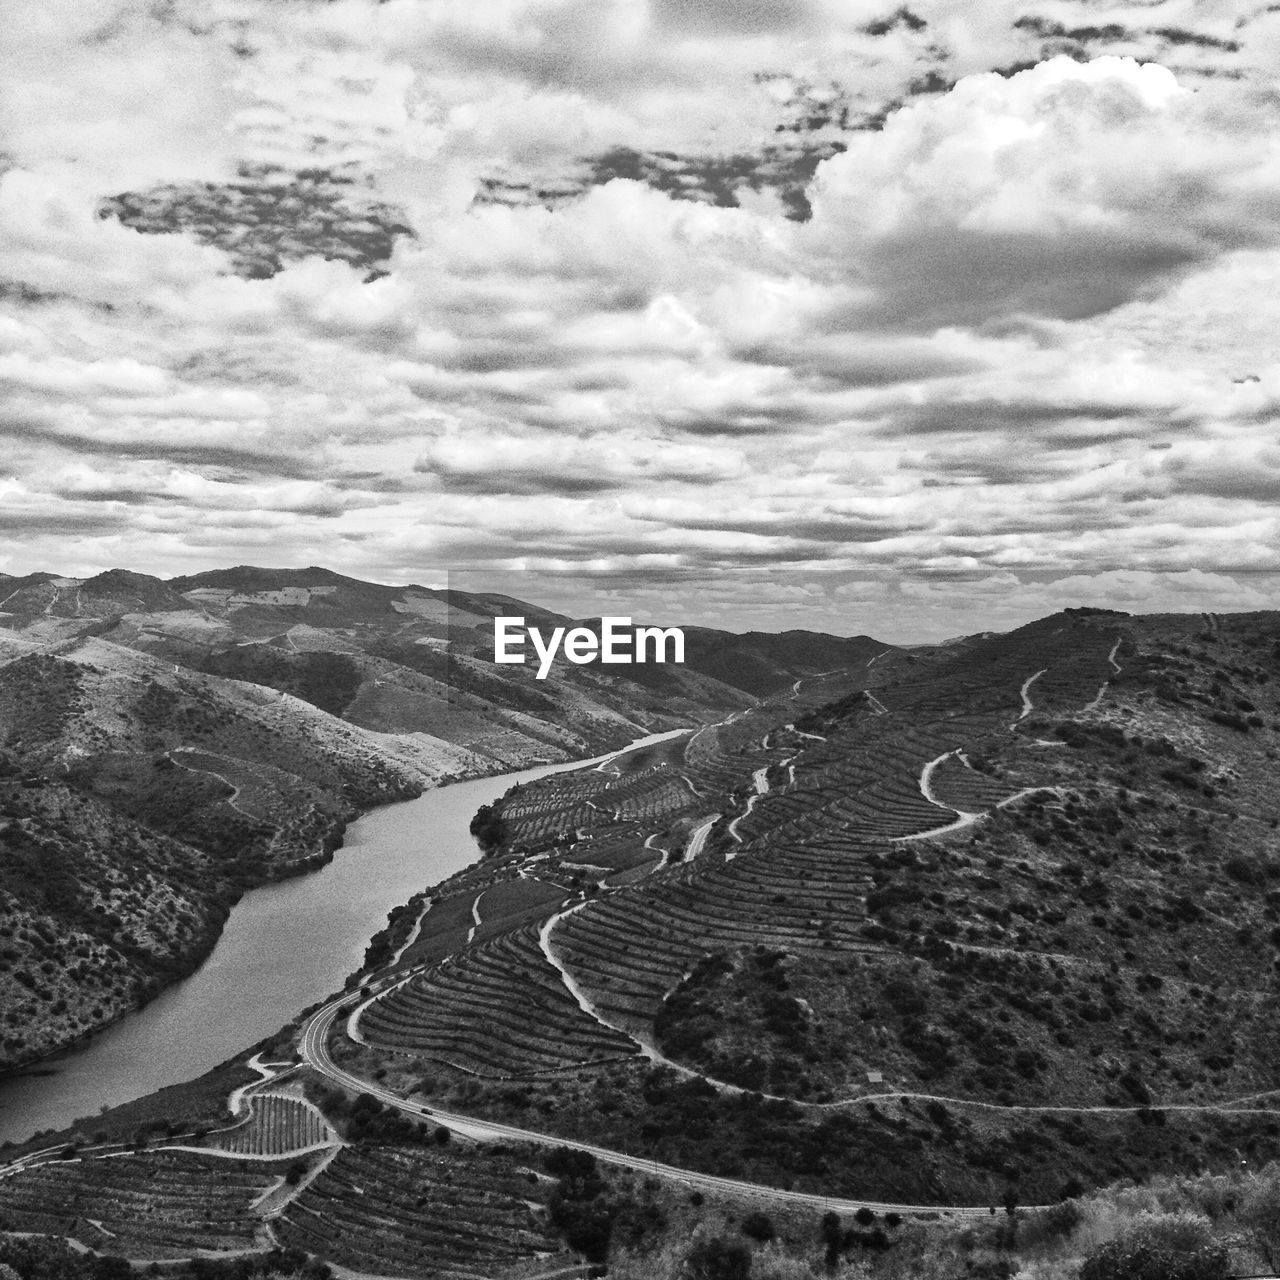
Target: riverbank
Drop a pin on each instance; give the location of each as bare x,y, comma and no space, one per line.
284,946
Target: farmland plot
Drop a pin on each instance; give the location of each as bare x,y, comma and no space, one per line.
277,1125
161,1204
402,1212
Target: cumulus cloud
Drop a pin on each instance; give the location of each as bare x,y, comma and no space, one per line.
1064,191
1028,328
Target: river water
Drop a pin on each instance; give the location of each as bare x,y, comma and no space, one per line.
285,946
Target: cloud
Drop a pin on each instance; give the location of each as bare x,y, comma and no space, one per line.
1063,191
735,17
113,92
1029,328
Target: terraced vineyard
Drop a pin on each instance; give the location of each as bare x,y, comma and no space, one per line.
393,1212
158,1205
277,1125
958,923
847,858
791,872
498,1009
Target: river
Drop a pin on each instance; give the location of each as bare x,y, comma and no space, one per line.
285,946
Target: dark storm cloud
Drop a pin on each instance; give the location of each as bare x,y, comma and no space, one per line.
1258,482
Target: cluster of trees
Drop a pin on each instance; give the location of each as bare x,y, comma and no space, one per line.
326,680
581,1206
488,827
716,1257
1165,1247
365,1119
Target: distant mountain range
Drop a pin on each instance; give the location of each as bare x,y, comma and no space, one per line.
165,744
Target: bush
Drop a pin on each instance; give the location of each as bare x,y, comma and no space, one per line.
772,1263
579,1206
1057,1222
758,1226
717,1259
1173,1246
1231,720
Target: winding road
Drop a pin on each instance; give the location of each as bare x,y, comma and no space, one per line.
315,1052
699,838
1027,705
1115,668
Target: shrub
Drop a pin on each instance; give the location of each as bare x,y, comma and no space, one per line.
1056,1222
773,1264
1231,720
718,1259
1156,1246
758,1226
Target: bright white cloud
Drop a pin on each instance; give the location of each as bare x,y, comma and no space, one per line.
1064,191
1030,326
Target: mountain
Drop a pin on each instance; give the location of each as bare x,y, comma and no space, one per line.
874,945
166,744
764,663
988,923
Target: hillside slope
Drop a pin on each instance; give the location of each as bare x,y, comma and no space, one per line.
165,745
1007,915
986,923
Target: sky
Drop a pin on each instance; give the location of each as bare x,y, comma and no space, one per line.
911,320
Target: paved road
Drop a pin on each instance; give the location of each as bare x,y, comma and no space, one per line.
699,838
315,1051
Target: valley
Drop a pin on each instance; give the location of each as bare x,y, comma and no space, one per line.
165,746
928,932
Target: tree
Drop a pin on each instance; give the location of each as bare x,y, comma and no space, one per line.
1260,1215
758,1226
488,827
1160,1247
832,1237
717,1259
